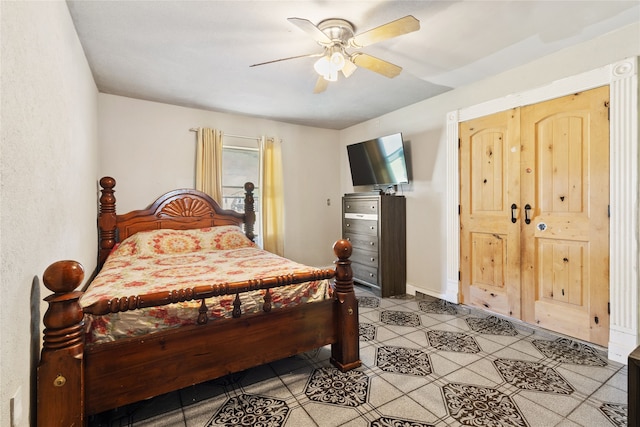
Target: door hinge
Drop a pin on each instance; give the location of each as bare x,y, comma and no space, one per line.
459,210
608,211
609,308
459,143
459,276
606,105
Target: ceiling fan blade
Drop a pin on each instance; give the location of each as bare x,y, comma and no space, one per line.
372,63
311,55
321,85
389,30
309,28
349,68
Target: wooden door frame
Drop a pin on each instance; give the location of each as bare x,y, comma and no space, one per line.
622,77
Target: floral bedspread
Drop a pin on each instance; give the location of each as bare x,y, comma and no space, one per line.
176,259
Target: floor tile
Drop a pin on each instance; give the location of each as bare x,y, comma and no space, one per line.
170,419
485,405
444,364
198,415
561,405
404,407
382,391
589,416
619,380
429,397
606,393
582,384
535,414
329,416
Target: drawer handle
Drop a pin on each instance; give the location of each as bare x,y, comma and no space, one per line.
373,206
371,243
59,381
348,206
348,224
372,227
373,259
370,274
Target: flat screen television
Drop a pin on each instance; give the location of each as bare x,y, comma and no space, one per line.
379,162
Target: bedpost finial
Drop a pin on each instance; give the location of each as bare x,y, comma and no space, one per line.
249,187
107,182
63,276
342,248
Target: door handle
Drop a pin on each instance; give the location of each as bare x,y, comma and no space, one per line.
513,213
527,208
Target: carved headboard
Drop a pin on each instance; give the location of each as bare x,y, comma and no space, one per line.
178,209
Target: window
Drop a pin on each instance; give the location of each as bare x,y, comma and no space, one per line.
240,164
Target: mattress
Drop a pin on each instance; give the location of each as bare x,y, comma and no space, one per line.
166,260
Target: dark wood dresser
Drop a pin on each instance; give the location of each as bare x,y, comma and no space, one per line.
376,227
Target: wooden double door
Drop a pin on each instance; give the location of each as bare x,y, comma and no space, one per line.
534,214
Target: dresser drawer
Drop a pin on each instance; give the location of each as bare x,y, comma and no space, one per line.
359,241
362,226
365,273
361,206
365,257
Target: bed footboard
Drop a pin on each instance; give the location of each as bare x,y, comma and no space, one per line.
74,381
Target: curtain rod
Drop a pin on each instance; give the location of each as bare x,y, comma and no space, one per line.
231,136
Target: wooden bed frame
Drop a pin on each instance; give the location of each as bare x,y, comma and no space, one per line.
75,380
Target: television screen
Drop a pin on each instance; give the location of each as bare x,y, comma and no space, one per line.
378,162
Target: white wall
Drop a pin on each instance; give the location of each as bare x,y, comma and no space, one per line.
48,170
148,148
424,126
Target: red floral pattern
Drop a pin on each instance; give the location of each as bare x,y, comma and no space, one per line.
156,261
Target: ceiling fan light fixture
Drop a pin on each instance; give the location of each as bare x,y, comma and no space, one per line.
337,61
323,65
332,76
329,65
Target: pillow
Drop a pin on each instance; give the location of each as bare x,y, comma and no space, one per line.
227,237
169,241
125,249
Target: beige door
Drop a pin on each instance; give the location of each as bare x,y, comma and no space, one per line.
565,180
490,230
554,259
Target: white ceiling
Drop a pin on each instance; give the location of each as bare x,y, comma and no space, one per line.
198,53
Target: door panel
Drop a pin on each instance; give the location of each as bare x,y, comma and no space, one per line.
565,178
489,271
562,271
489,183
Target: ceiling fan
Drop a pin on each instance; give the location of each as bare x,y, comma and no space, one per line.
335,36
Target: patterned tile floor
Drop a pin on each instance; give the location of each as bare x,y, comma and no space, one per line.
425,363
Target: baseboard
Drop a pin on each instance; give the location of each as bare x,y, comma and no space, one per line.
621,344
411,290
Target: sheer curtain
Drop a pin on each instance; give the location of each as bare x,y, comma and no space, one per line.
209,163
272,201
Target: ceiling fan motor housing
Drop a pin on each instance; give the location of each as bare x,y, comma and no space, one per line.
338,30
